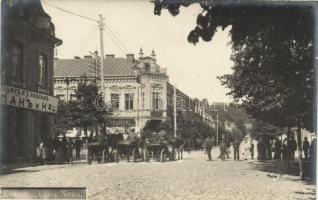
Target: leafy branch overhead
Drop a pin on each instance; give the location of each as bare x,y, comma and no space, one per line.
273,74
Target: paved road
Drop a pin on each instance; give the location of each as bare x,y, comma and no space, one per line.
190,178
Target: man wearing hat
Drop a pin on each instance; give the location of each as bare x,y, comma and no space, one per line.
208,142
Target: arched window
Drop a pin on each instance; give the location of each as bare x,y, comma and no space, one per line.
16,61
42,70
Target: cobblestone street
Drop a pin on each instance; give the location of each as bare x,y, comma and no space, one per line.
190,178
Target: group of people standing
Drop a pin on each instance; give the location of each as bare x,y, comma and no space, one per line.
283,149
225,145
60,148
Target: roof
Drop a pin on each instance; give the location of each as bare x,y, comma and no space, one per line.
86,66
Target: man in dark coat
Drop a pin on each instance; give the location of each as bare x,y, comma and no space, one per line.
78,147
306,147
285,150
292,148
236,147
208,146
278,149
69,150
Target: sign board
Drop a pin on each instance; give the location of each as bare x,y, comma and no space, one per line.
22,98
122,122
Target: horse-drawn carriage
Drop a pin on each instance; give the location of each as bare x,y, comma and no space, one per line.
102,148
162,146
96,151
127,149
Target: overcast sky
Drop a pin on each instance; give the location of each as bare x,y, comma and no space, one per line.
192,68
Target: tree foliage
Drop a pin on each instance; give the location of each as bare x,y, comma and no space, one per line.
273,57
82,111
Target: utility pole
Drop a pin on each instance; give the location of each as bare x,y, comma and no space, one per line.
217,129
101,26
138,117
175,110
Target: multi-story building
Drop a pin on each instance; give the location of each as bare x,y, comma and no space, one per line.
136,89
27,104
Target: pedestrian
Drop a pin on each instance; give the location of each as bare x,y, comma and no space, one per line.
41,153
306,147
313,159
278,149
228,146
236,147
222,149
268,149
292,148
313,149
246,149
259,143
252,149
208,147
285,149
69,150
78,147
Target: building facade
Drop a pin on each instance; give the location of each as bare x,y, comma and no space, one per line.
27,102
138,90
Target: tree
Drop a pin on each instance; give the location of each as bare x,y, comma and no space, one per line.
273,76
63,120
84,111
261,128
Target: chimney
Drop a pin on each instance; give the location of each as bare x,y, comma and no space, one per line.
88,56
77,57
110,56
130,57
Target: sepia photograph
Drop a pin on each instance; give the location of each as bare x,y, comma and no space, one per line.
158,99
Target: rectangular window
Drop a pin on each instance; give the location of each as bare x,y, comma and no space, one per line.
156,100
129,101
16,62
115,101
42,70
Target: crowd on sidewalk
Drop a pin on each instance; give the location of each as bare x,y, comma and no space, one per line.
266,149
59,149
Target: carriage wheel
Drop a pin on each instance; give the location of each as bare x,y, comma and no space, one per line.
163,155
134,155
